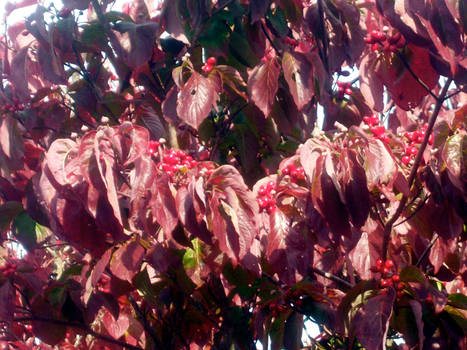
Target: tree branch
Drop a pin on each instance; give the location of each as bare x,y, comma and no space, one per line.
427,249
332,277
79,326
270,40
142,317
413,172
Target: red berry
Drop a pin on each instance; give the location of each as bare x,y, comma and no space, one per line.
211,61
375,33
399,293
385,283
262,190
374,47
395,278
379,263
389,264
368,40
207,68
271,209
367,120
386,271
378,130
348,91
411,151
385,139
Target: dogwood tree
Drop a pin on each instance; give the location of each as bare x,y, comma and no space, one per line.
164,169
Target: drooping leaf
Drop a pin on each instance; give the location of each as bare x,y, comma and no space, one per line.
116,327
298,73
29,232
126,260
263,84
137,42
371,322
196,99
371,85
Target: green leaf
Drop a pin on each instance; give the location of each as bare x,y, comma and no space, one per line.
458,300
454,154
144,286
412,274
94,34
278,21
28,231
241,50
8,211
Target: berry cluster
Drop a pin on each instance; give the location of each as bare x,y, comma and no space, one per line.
209,65
296,173
388,275
379,131
290,41
266,200
9,268
343,88
176,160
153,146
414,138
379,40
15,107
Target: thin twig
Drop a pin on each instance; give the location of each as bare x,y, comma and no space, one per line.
79,326
413,172
407,65
142,317
453,94
427,249
270,40
332,277
417,209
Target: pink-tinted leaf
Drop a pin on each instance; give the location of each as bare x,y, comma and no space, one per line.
100,266
263,84
19,73
364,256
51,65
142,182
407,92
57,156
11,143
371,86
163,205
372,320
453,154
196,99
173,21
126,260
137,42
418,314
42,330
438,253
380,164
116,328
356,194
169,105
6,301
152,121
298,73
234,210
107,168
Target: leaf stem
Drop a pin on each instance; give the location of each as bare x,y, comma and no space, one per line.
332,277
270,40
413,172
427,249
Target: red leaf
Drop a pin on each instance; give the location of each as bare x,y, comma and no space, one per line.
11,143
263,84
151,120
196,99
371,322
126,260
356,194
19,74
298,73
116,328
7,304
99,268
364,256
418,314
169,106
371,85
406,92
163,205
137,42
233,210
380,164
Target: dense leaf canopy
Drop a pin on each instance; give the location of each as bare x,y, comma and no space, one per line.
215,173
